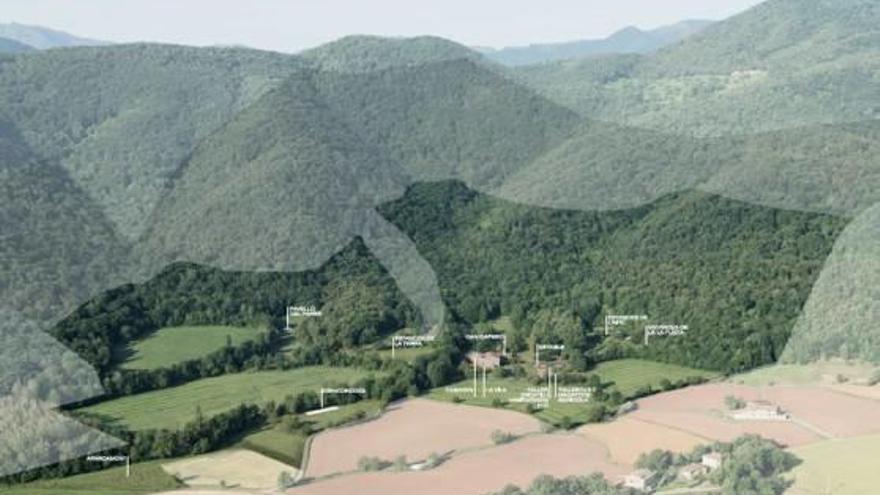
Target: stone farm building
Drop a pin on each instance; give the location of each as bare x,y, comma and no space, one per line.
712,460
640,479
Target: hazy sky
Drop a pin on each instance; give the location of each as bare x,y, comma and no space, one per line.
295,24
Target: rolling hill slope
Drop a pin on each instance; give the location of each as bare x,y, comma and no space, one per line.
782,64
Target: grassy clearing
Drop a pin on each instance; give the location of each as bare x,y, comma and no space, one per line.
172,345
278,443
174,407
805,374
629,375
506,389
147,477
841,467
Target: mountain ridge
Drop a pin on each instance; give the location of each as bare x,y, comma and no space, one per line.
42,38
630,39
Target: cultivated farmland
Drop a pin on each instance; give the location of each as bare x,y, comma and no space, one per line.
482,470
236,468
414,428
286,445
817,413
172,345
174,407
626,438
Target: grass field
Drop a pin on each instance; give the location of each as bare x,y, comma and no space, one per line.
277,443
174,407
805,374
172,345
511,388
628,375
285,446
841,467
147,477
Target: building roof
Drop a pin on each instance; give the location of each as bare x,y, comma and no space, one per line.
644,474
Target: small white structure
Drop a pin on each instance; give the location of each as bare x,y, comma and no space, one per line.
691,472
712,461
760,410
640,479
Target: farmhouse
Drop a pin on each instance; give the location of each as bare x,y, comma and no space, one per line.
760,410
712,461
489,360
692,471
640,479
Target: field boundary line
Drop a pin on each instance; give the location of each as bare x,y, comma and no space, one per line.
674,428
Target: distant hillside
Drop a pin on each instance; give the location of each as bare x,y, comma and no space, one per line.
448,119
823,168
781,64
42,38
369,53
12,46
131,113
627,40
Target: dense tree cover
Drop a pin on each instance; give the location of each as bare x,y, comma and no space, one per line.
594,484
363,53
751,465
448,119
187,294
737,274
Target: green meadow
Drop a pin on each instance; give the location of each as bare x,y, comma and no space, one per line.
174,407
172,345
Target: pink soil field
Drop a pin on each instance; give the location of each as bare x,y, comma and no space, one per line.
414,428
857,390
628,437
700,410
481,471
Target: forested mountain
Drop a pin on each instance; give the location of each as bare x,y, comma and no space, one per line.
358,54
832,169
131,114
737,274
782,64
450,119
122,159
53,235
283,185
42,38
11,46
627,40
